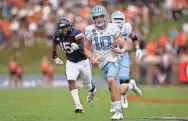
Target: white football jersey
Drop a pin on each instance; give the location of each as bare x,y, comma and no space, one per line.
126,30
101,42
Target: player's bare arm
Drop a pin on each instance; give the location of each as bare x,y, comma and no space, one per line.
134,39
88,53
136,44
54,54
54,48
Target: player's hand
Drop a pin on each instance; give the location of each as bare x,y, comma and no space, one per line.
95,61
117,49
58,61
139,53
74,46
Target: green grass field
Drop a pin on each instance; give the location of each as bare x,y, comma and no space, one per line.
55,104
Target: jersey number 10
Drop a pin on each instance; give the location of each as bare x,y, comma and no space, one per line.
103,43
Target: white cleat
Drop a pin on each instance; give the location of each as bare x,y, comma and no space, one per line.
112,109
136,89
117,116
124,101
91,95
79,109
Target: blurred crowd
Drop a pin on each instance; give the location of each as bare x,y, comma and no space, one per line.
37,18
164,52
24,22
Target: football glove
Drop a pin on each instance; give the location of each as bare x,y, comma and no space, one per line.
58,61
139,53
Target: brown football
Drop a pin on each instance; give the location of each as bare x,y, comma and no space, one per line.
114,44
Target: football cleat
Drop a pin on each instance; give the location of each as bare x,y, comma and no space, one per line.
79,109
137,91
91,94
117,116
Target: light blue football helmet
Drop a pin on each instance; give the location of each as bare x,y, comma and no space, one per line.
118,17
99,10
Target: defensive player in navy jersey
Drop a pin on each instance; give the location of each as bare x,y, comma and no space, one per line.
70,41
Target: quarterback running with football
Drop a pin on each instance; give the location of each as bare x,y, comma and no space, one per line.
100,38
70,41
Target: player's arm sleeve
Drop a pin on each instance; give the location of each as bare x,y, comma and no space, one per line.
133,37
80,39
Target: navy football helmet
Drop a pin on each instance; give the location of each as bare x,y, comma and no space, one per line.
64,25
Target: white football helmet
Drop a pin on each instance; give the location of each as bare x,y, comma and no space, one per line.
118,17
99,16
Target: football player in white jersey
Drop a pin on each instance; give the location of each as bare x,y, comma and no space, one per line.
127,33
99,46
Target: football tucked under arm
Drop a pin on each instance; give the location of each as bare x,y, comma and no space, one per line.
119,45
118,41
115,43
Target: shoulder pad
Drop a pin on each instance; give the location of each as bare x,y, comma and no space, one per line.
57,33
77,33
56,36
128,25
128,28
88,31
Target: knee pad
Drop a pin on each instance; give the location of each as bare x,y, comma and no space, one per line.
124,81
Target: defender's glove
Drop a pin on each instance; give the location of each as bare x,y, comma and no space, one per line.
74,46
139,53
58,61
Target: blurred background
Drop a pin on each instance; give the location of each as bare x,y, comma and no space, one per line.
27,27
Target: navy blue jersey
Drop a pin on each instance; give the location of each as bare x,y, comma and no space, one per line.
65,44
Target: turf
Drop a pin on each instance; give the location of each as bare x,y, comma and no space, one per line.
55,104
